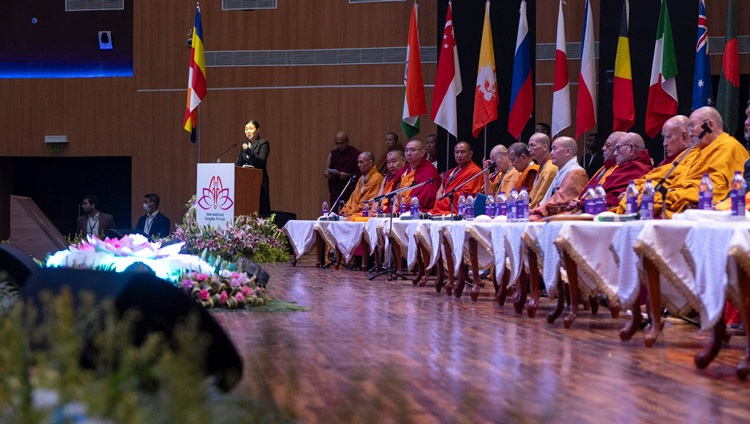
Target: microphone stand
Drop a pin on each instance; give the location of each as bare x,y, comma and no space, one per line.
328,218
389,270
218,158
352,178
452,193
660,188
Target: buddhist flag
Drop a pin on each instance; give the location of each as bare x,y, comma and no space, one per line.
522,90
728,96
662,93
702,86
196,90
414,103
485,96
561,95
623,108
447,80
586,107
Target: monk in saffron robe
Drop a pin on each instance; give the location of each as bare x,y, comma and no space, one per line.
464,170
366,188
391,143
720,155
676,140
520,157
341,164
493,181
539,149
416,171
569,181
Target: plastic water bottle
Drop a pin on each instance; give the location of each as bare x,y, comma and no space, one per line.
501,204
706,193
414,207
512,205
522,205
631,198
324,208
469,210
380,208
589,201
737,193
402,206
489,206
647,201
461,205
601,199
365,210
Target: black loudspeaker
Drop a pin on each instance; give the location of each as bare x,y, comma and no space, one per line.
16,263
283,217
161,306
118,233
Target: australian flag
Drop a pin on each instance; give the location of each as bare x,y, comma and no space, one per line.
702,90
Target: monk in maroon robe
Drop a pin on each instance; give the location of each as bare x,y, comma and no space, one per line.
340,166
418,170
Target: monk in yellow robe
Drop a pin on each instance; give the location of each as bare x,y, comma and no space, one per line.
720,155
539,149
464,170
367,186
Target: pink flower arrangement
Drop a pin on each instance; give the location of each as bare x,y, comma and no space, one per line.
226,289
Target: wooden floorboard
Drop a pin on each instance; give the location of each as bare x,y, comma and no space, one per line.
387,351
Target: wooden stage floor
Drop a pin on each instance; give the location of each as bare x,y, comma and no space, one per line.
380,351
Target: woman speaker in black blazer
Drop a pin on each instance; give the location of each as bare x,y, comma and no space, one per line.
254,154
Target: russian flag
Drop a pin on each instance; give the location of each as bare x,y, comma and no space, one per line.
522,89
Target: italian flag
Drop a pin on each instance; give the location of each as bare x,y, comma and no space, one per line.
414,103
662,93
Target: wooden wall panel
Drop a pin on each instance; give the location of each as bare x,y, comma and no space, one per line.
142,116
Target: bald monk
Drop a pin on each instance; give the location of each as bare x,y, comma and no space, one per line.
519,156
493,181
341,164
539,148
676,140
464,170
395,160
568,183
633,161
366,188
416,171
720,155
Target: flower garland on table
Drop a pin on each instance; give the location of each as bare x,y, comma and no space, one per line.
213,282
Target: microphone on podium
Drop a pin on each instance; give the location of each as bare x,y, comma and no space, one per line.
218,158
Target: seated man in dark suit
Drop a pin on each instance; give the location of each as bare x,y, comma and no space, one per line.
153,223
93,222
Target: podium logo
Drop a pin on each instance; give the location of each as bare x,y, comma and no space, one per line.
215,196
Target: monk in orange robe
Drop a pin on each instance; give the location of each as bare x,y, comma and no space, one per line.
519,156
464,170
367,186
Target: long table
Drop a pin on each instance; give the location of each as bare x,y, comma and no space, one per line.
685,265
